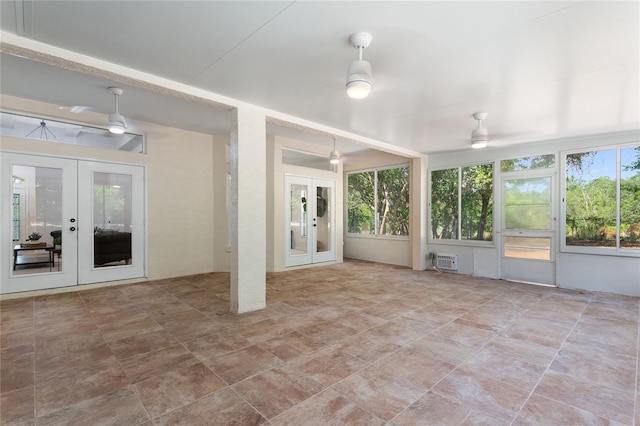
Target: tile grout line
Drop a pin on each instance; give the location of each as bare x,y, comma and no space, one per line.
551,362
117,359
456,367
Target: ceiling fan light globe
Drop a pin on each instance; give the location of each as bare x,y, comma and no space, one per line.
117,124
479,144
358,89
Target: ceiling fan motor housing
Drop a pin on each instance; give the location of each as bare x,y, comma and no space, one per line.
479,134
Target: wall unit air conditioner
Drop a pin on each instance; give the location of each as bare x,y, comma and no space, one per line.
447,262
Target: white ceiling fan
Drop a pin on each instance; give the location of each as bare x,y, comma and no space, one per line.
479,135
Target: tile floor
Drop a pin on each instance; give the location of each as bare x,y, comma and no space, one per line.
355,343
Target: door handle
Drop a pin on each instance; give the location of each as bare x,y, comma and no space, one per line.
73,228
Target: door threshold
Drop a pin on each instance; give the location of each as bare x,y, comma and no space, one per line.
531,283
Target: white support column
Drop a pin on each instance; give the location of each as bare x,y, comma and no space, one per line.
248,210
418,212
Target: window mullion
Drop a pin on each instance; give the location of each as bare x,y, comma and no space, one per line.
459,204
376,214
618,205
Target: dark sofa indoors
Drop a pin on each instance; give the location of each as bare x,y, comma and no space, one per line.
111,246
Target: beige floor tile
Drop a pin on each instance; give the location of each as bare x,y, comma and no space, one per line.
543,411
604,401
86,382
221,408
291,345
277,390
432,409
176,388
329,365
482,394
239,365
119,407
141,343
515,371
17,406
327,408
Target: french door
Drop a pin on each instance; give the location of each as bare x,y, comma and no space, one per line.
528,237
309,220
89,216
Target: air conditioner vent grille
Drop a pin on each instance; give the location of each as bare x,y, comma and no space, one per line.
446,261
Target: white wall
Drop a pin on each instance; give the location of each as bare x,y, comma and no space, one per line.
395,251
180,191
615,274
221,231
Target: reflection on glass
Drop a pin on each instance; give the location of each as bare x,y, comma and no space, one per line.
360,203
323,219
630,198
444,204
591,199
393,201
112,199
298,223
528,163
476,190
534,248
527,203
36,218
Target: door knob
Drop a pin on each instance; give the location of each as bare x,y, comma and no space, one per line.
73,219
73,228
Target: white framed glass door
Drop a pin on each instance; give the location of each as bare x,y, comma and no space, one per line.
309,220
528,237
38,198
90,216
112,209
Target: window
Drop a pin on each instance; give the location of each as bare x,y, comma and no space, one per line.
602,200
45,129
462,203
378,202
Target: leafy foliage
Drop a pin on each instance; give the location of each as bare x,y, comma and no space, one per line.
392,202
476,203
591,210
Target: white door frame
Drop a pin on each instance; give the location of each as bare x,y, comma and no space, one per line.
529,270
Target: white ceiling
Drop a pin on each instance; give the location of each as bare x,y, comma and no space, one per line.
540,69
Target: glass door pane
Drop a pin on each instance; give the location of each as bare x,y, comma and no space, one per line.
527,203
536,248
111,219
37,213
299,203
323,219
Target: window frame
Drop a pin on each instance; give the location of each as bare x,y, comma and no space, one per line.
68,122
375,191
459,241
600,251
